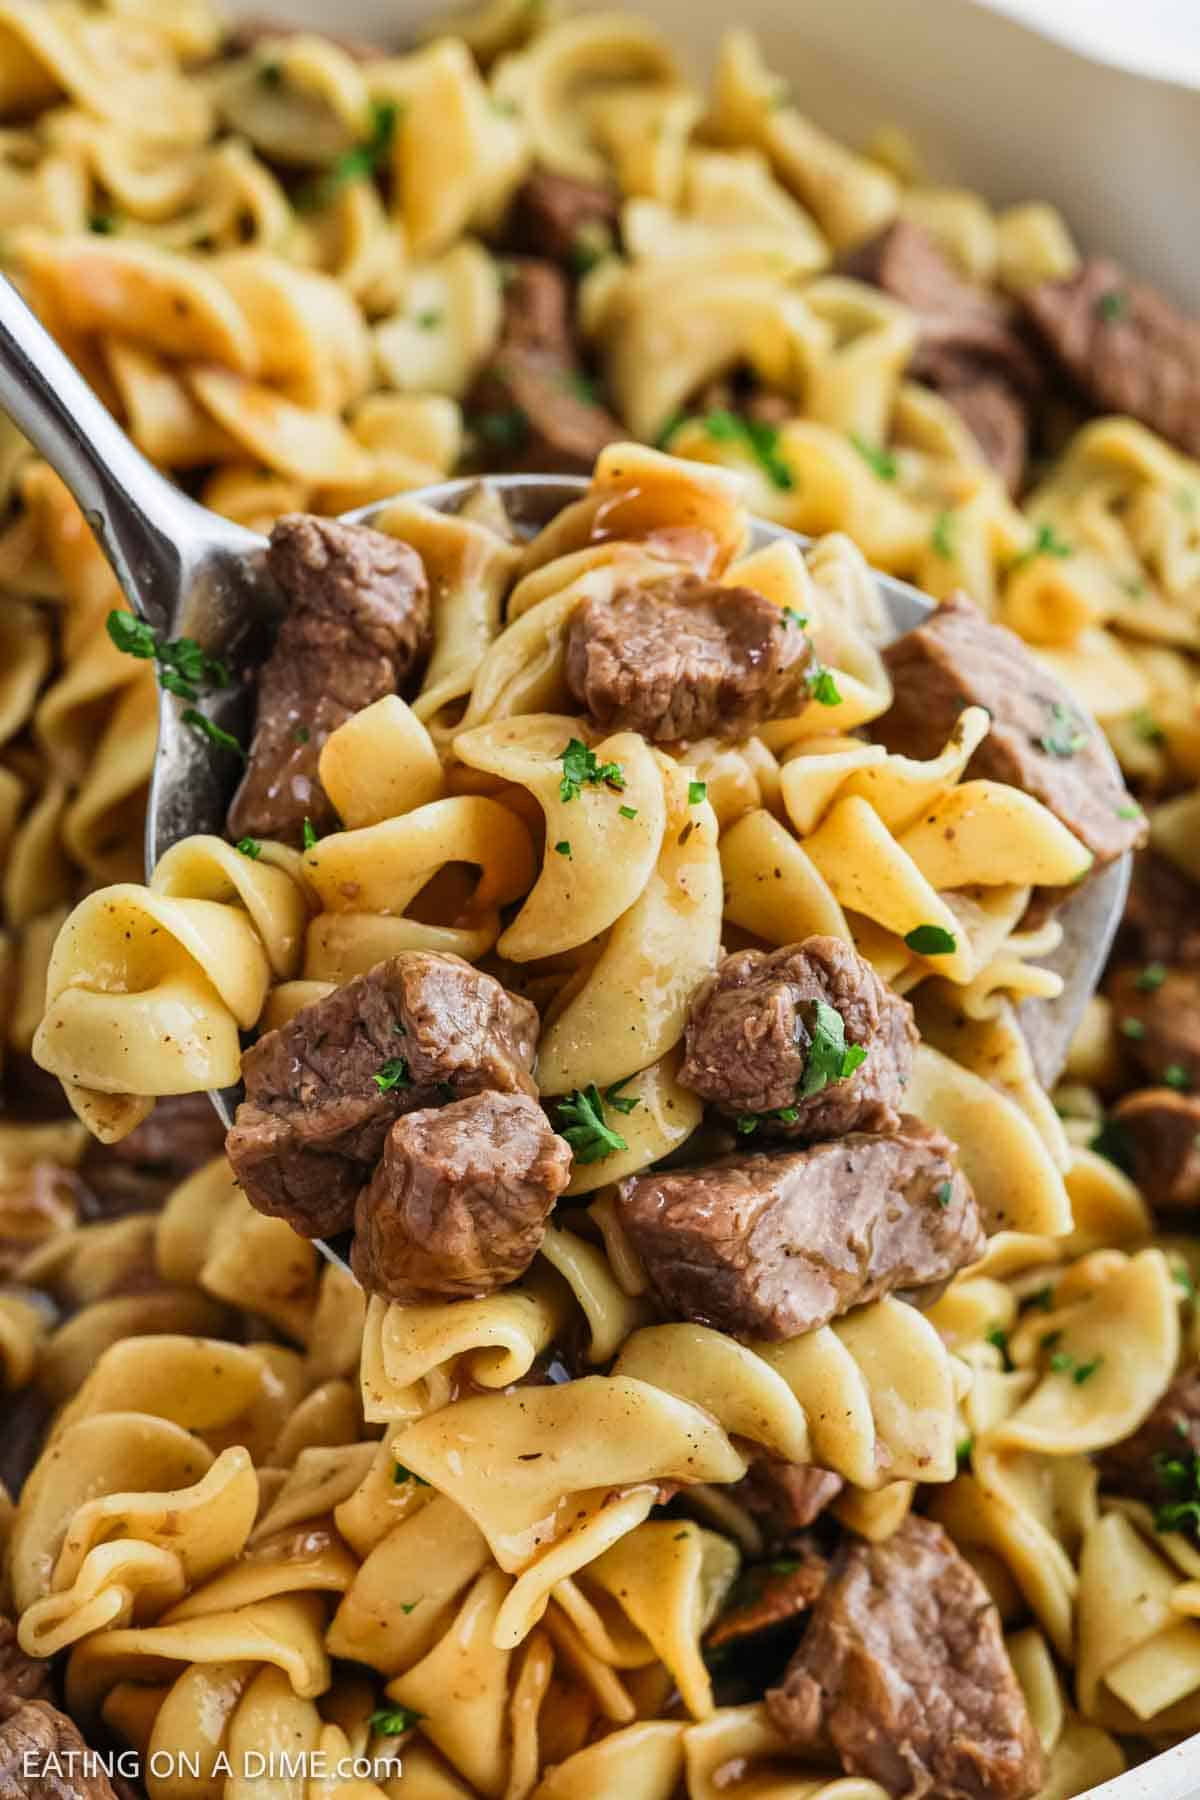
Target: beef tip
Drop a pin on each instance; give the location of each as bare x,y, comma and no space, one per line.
770,1595
772,1246
1157,1010
957,658
22,1677
785,1497
312,1126
136,1175
969,349
1162,1130
357,623
1138,1467
563,220
458,1205
1125,347
904,1677
44,1757
684,658
1162,915
532,406
758,1036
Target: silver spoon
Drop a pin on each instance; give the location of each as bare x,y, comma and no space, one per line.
188,572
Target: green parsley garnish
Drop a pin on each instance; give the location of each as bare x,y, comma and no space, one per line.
1043,1297
205,727
1176,1076
1130,810
784,1565
507,429
1182,1277
878,458
103,224
943,1193
300,734
269,75
563,848
628,812
392,1074
795,618
1151,978
580,766
590,245
1067,734
830,1057
250,847
1146,727
668,429
697,791
584,387
310,835
357,164
582,1114
1133,1028
962,1454
749,1122
1046,542
1064,1363
759,439
622,1103
409,1606
1112,305
400,1473
942,538
184,668
390,1721
998,1337
428,319
1113,1142
823,688
931,940
1180,1475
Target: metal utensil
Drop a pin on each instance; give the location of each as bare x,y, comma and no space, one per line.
188,572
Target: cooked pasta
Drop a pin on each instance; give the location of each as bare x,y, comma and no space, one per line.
631,981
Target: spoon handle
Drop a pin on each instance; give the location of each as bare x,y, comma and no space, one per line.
151,533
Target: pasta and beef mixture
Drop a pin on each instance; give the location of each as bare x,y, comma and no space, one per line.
751,1381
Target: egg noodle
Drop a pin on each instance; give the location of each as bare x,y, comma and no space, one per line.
269,1511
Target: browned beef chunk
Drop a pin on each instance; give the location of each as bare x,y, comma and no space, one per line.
137,1174
968,350
43,1757
772,1246
533,407
1159,1022
785,1497
357,622
22,1677
772,1594
313,1123
683,658
958,659
904,1677
566,221
458,1205
1162,1129
1138,1467
1124,346
1162,915
750,1041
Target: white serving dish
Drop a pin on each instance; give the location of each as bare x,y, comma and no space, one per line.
995,105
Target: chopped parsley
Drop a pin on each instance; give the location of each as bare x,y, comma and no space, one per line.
667,430
356,164
300,734
962,1454
428,319
942,538
823,688
931,940
584,387
1046,542
795,618
250,847
750,1122
1067,734
507,429
998,1338
184,668
580,767
1113,1142
697,791
628,812
590,245
1176,1076
390,1721
943,1193
223,740
309,835
1043,1297
582,1123
1151,978
1063,1363
756,437
784,1565
622,1103
830,1057
1130,810
103,224
1146,727
401,1474
392,1074
269,75
409,1606
1133,1028
563,848
1180,1476
878,458
1112,305
1181,1275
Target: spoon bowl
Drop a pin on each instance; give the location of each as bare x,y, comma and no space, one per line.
189,572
